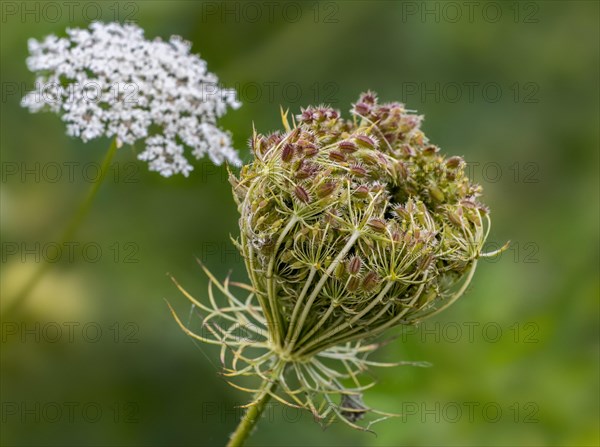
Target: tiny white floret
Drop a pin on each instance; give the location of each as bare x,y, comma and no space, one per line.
109,80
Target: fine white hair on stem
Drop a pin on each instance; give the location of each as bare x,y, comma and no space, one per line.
108,80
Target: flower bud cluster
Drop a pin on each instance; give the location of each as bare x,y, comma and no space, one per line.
109,80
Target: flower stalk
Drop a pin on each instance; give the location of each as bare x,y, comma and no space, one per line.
255,409
108,80
69,232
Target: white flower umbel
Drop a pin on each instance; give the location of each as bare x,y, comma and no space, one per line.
109,80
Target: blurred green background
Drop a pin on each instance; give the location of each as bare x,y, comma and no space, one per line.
94,357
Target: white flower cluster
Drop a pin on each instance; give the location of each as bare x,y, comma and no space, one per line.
109,81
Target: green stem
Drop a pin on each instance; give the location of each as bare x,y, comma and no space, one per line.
317,290
68,234
298,304
249,420
278,330
348,323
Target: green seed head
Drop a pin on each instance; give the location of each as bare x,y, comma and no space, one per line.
370,195
348,227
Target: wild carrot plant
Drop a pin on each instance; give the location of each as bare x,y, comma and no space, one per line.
348,228
109,81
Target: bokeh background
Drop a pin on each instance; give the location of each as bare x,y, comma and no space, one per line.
94,357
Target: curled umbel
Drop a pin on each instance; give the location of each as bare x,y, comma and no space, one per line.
348,227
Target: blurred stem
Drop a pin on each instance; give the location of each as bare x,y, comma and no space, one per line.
249,420
69,232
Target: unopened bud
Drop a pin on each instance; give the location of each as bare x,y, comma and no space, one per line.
347,147
370,282
337,156
301,194
362,192
325,189
377,225
287,153
454,162
365,141
358,171
353,284
354,265
436,193
430,150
